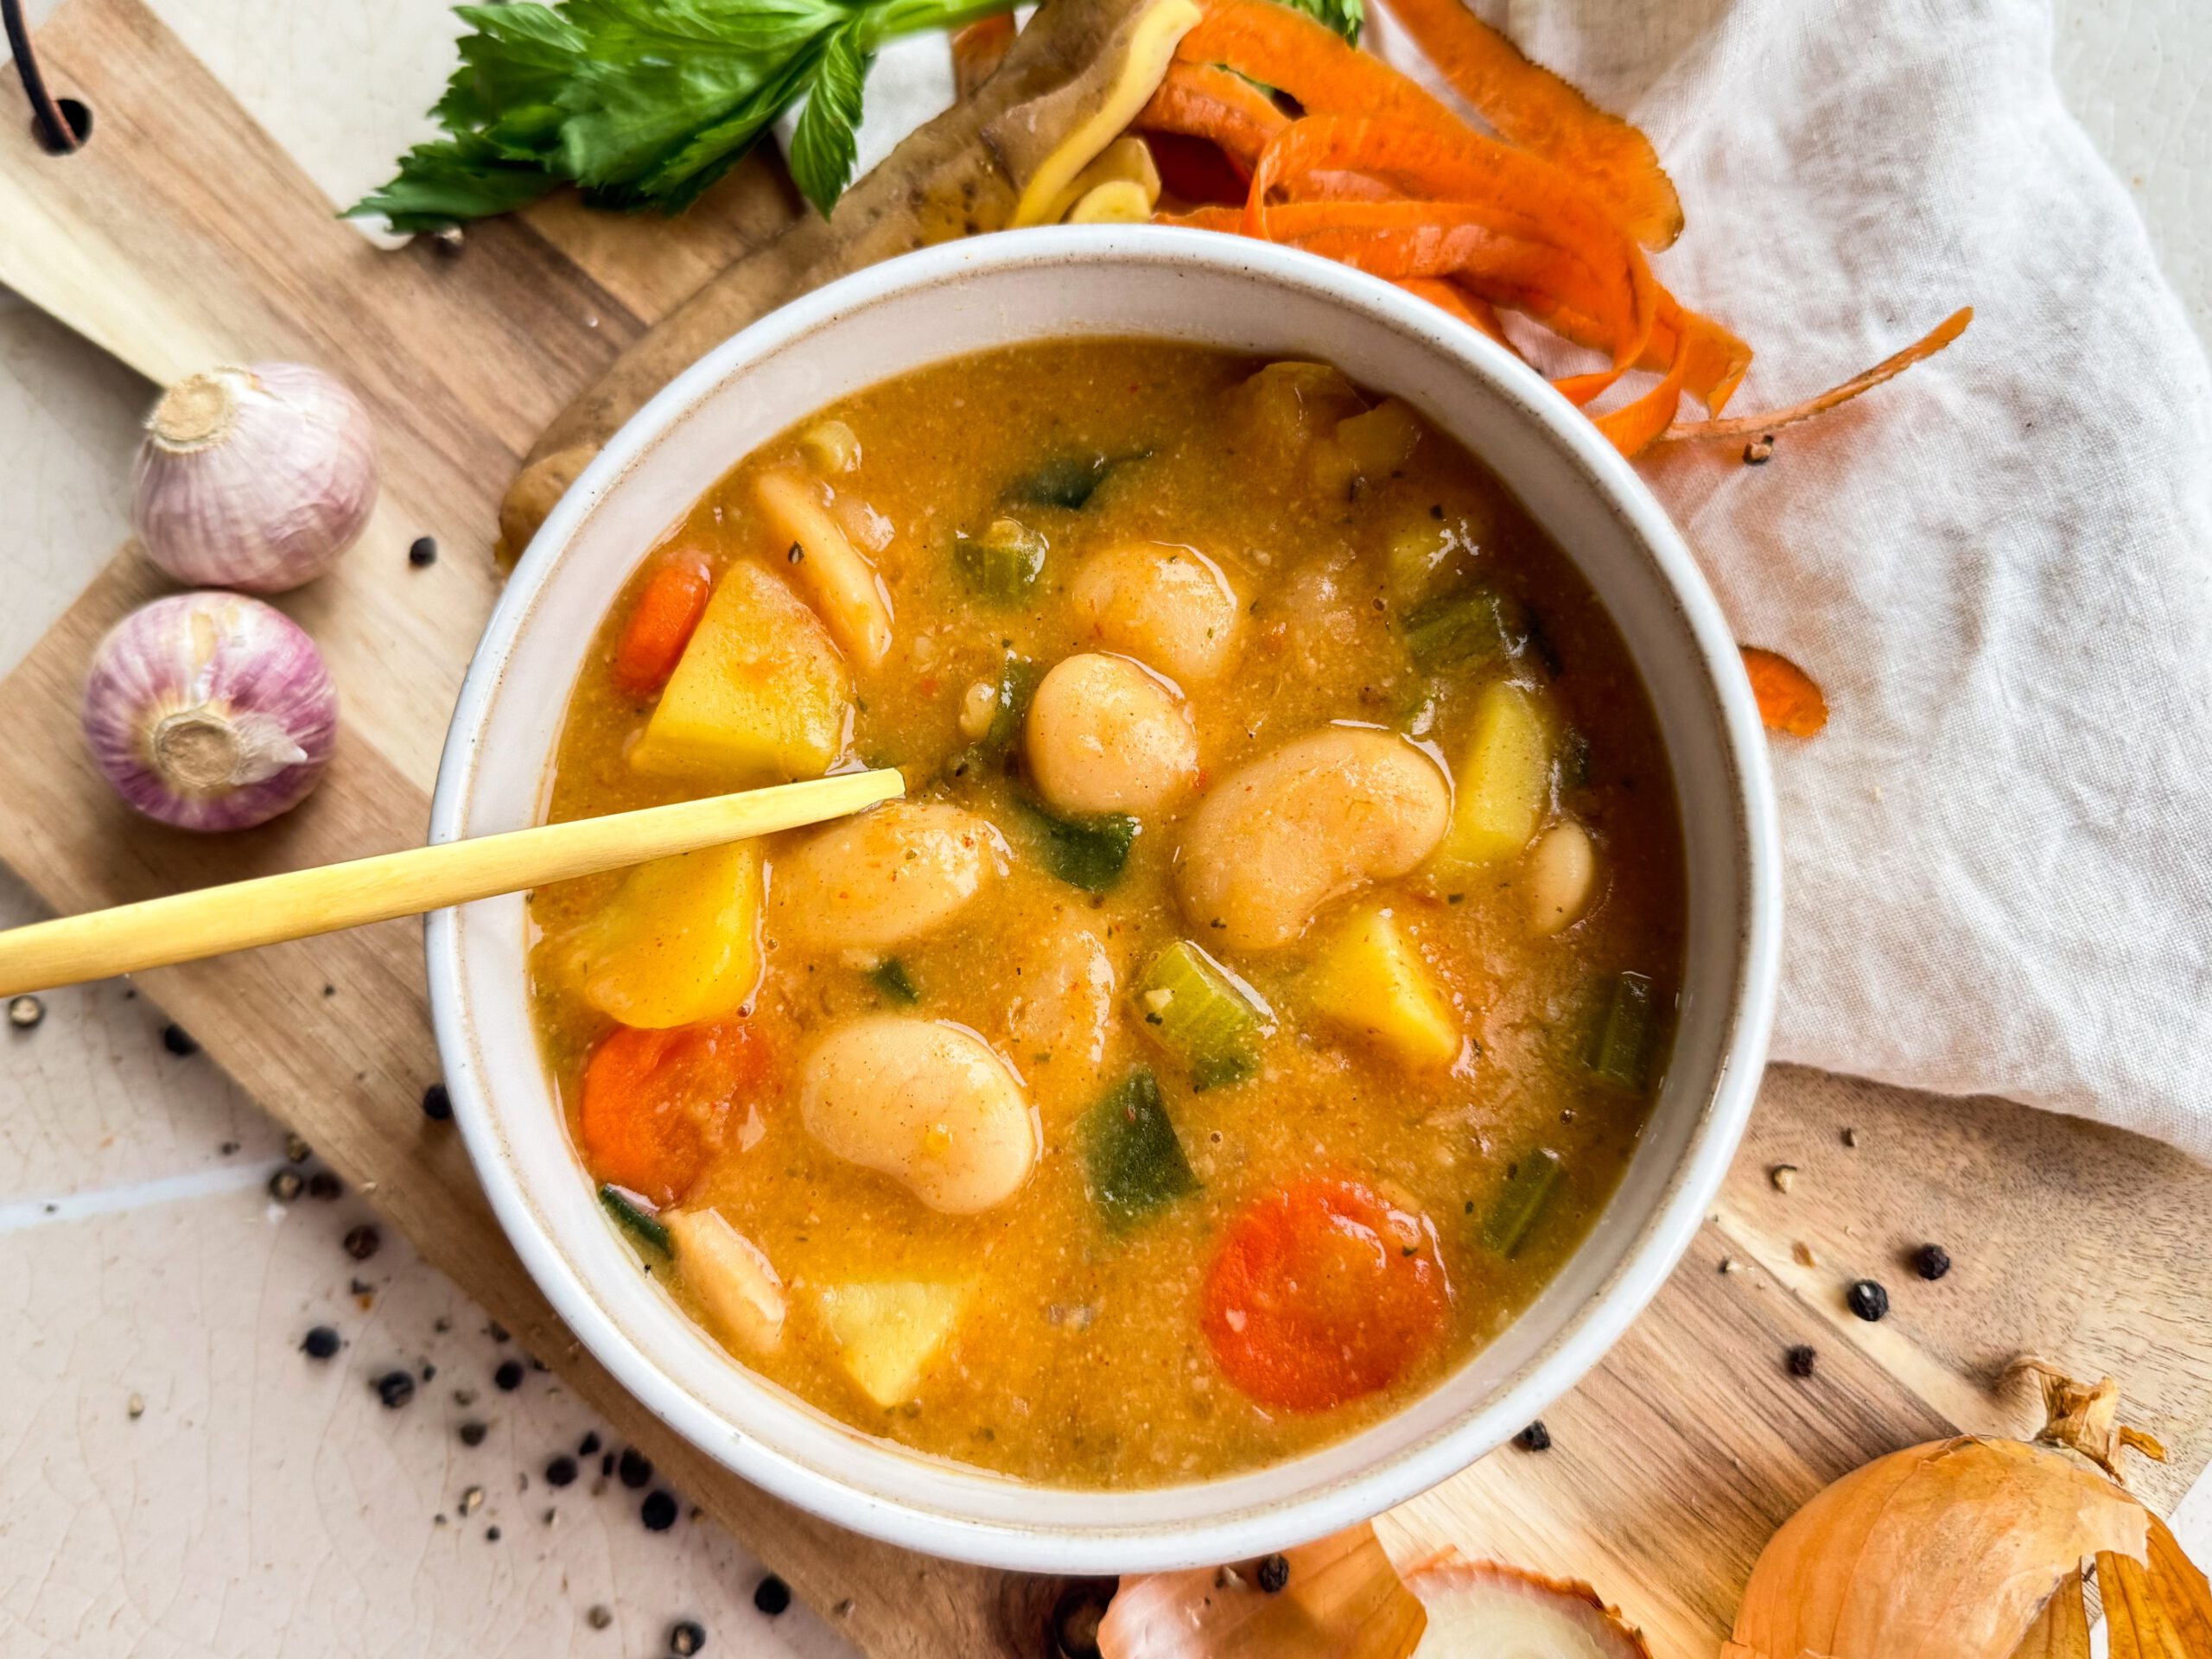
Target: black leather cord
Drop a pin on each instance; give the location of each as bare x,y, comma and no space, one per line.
55,129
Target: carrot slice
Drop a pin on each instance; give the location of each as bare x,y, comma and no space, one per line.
978,49
1535,109
1773,420
1790,701
1200,101
1320,1293
1471,309
654,1101
667,614
1309,61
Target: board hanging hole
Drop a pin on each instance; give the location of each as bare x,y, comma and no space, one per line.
61,125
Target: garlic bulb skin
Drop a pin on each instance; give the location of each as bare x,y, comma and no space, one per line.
256,478
210,711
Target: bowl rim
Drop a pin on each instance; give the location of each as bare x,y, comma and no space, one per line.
1586,1335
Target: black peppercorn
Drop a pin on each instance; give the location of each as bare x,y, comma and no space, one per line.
658,1511
473,1433
284,1185
1534,1438
178,1041
508,1377
423,550
588,1445
25,1012
1801,1361
490,1535
363,1242
686,1637
1273,1574
1868,1300
772,1595
323,1185
320,1342
636,1468
395,1389
561,1471
437,1104
1931,1260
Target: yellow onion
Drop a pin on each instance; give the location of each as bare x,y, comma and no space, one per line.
1485,1610
1975,1548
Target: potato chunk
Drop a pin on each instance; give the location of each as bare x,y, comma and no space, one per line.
887,1331
891,873
760,693
731,1276
678,942
1370,979
925,1102
1306,823
1104,737
1505,780
1170,607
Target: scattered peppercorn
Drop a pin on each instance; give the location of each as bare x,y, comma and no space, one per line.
423,550
508,1377
363,1242
588,1445
637,1468
1801,1361
598,1617
1534,1438
492,1534
772,1596
25,1012
686,1637
471,1500
606,1464
658,1511
135,1407
473,1433
295,1149
437,1104
494,1329
561,1471
323,1186
320,1342
449,240
1275,1572
284,1185
1868,1300
1931,1262
1758,451
395,1389
178,1041
227,1148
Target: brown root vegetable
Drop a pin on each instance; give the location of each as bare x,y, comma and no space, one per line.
1336,1598
1973,1549
1072,63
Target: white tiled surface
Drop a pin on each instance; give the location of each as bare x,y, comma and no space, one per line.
265,1504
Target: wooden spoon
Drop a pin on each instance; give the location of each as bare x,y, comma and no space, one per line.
301,903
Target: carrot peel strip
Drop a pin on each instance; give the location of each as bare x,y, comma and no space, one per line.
1773,420
1790,701
1200,101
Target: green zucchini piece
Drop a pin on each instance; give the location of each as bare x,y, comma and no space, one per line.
1619,1044
897,985
1067,481
632,1217
1136,1162
1086,853
1018,678
1466,625
1520,1204
1002,564
1198,1013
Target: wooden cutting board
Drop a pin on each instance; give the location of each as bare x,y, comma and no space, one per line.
182,236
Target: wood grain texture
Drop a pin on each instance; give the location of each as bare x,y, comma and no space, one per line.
188,233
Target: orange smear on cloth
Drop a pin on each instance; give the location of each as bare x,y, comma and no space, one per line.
1534,108
1790,701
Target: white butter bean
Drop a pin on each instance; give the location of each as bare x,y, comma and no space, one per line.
891,873
927,1103
1559,877
1171,607
731,1276
1304,824
1104,737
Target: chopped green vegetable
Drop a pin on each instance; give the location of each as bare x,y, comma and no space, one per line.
1018,678
1574,760
1003,564
1136,1162
1086,853
1201,1015
646,103
1619,1049
634,1217
1065,481
1469,624
1520,1204
892,978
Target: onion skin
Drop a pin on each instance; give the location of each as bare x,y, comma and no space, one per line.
256,478
1342,1599
210,711
1496,1611
1943,1551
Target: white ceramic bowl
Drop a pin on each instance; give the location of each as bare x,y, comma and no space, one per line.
1039,285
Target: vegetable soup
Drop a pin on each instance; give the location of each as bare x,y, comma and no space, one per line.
1261,988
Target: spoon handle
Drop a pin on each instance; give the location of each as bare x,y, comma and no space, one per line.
301,903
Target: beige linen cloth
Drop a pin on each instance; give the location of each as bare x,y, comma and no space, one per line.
2000,567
